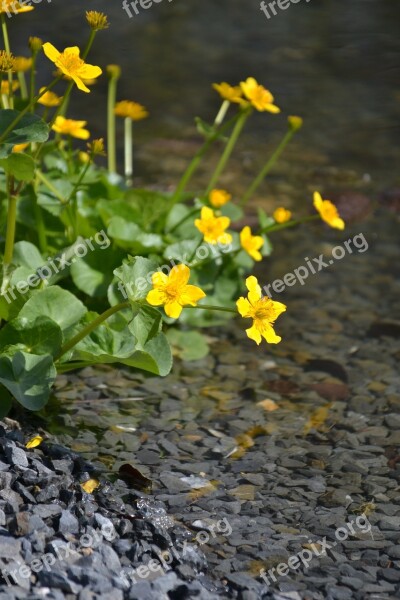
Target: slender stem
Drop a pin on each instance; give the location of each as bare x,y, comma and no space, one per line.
90,327
41,229
78,183
7,49
49,185
10,231
32,83
218,308
267,167
26,109
193,165
128,150
22,84
63,103
244,115
279,226
221,113
111,99
89,44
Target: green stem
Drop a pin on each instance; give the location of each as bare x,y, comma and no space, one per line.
49,186
267,167
7,49
218,308
22,84
221,113
41,229
111,100
128,150
90,327
10,231
244,115
89,44
32,83
78,183
26,109
279,226
193,165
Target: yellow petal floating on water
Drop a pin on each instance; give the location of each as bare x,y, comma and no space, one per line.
33,442
90,485
268,405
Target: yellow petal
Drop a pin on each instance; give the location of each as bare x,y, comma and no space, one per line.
159,279
255,255
74,50
269,334
192,294
34,442
253,287
273,109
51,52
155,298
89,72
207,213
243,306
179,275
318,200
254,334
173,309
278,308
90,485
79,83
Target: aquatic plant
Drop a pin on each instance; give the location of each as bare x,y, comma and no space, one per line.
94,270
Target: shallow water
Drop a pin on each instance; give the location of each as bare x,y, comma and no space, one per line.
336,64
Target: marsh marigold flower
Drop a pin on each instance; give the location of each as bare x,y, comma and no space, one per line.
262,310
219,197
71,65
173,292
97,20
22,63
131,110
212,227
281,215
13,6
70,127
7,61
258,96
328,212
251,243
229,92
35,43
49,99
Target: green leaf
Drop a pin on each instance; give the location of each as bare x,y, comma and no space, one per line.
130,236
189,345
28,377
30,128
21,166
135,275
145,324
231,210
264,219
39,336
58,304
181,251
93,273
155,357
27,255
5,402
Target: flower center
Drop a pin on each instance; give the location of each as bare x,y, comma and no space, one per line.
70,62
171,291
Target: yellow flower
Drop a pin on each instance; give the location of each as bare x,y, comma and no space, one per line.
49,99
7,61
262,310
172,291
251,243
96,147
229,92
14,6
259,97
35,44
70,63
219,197
22,63
281,215
133,110
34,442
20,147
5,86
328,212
212,227
97,20
71,127
84,157
295,123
